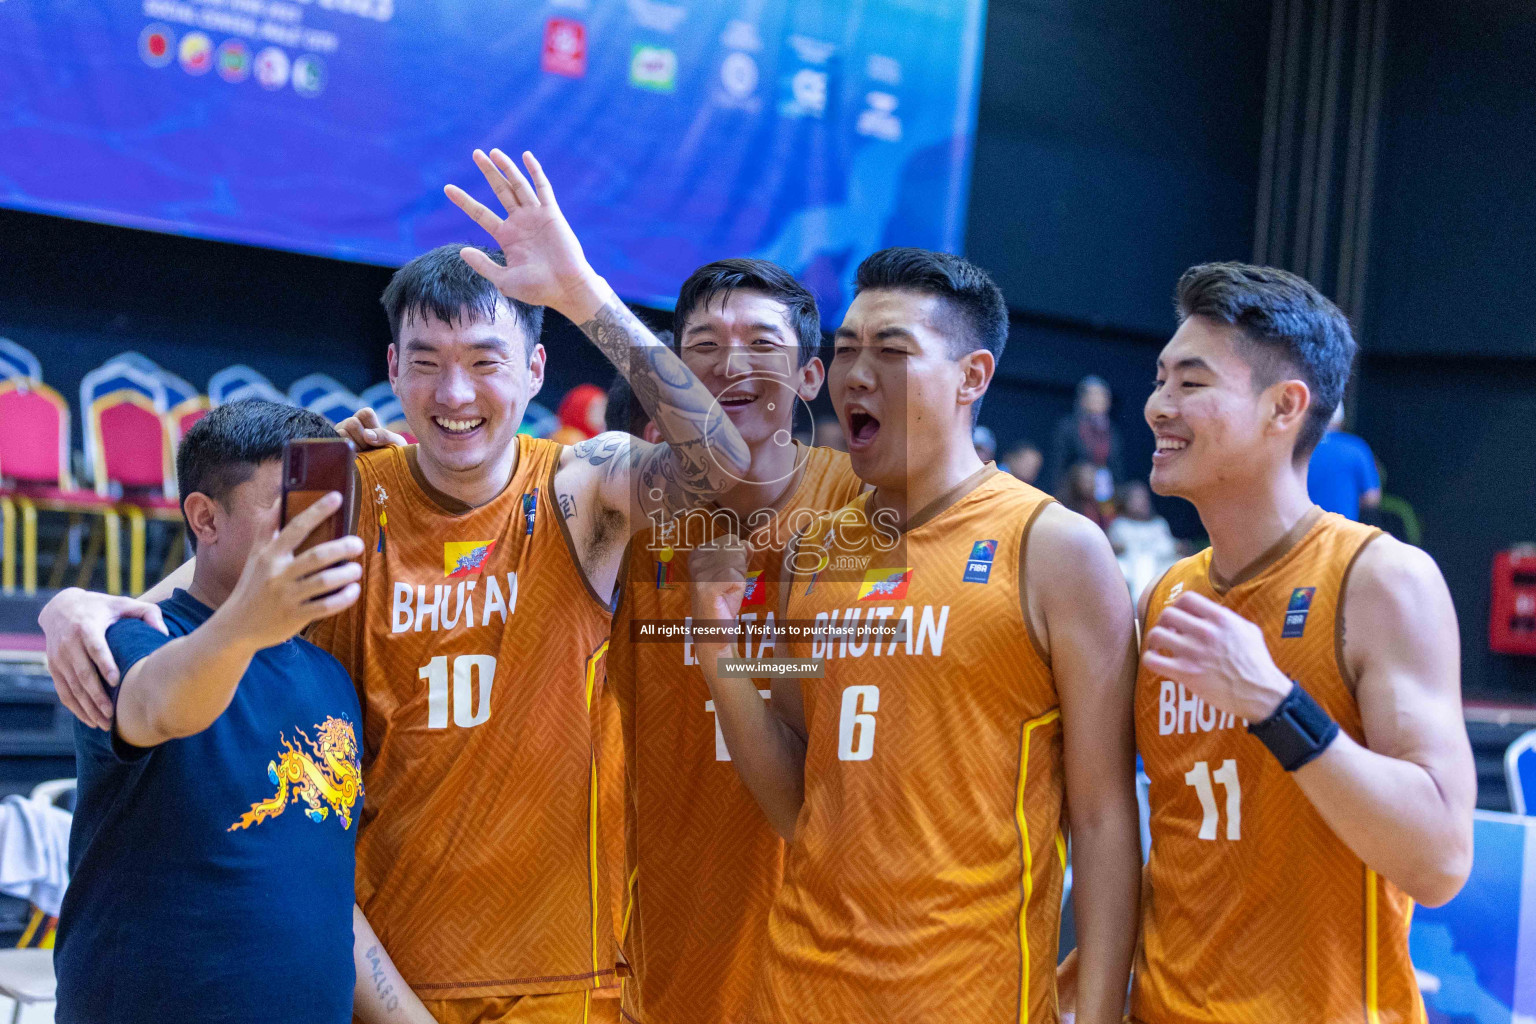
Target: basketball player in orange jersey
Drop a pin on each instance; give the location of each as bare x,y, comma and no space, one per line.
705,862
490,558
1298,707
922,780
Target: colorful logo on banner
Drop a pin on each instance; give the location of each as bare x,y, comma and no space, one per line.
272,68
978,568
653,68
1296,612
308,76
885,584
756,592
462,558
234,60
565,48
195,53
155,45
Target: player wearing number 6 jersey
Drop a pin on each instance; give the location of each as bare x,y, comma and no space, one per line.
489,561
922,782
1298,707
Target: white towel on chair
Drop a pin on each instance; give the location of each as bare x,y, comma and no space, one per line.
34,852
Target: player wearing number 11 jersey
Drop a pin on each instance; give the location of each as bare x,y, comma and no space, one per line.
1298,704
922,778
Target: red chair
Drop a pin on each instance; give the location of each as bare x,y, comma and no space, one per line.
34,474
183,415
134,447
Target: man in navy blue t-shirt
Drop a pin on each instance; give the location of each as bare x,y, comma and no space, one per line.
212,848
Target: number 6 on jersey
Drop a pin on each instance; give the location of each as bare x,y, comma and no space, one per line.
856,723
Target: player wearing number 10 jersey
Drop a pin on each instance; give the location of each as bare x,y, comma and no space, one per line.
489,561
1281,880
923,779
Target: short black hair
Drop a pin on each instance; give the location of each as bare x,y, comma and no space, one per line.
223,449
968,290
438,283
1291,327
625,411
719,279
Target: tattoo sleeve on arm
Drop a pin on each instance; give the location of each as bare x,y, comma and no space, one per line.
703,454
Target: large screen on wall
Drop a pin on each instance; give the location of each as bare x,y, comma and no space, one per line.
810,132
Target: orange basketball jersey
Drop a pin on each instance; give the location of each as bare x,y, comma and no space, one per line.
1254,911
924,880
475,647
704,860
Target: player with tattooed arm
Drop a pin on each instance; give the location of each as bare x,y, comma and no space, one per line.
489,561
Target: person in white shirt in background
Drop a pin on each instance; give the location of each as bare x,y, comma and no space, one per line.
1144,546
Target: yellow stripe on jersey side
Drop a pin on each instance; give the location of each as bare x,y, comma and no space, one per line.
593,660
1028,881
629,903
1372,1002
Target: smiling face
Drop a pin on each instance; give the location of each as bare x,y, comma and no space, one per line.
463,387
1212,426
902,397
746,352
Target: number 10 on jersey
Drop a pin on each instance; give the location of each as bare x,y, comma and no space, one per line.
468,670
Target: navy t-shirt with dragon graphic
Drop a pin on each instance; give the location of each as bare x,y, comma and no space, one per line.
212,876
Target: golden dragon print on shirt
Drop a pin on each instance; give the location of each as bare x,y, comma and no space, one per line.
327,777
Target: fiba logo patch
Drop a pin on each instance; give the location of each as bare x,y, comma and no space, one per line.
530,511
155,45
272,68
978,568
1296,612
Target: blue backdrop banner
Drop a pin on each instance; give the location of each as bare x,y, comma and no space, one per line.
810,132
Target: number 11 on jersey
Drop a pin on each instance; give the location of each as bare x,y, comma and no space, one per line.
1201,777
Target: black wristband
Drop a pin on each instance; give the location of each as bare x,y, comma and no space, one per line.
1298,731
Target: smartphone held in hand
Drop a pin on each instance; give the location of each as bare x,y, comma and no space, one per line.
312,468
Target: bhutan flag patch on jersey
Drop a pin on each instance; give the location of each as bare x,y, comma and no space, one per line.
885,584
755,593
463,558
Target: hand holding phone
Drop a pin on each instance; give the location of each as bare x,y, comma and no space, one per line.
312,468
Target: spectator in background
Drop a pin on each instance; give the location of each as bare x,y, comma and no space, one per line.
582,412
829,434
1342,477
1024,461
1088,436
1077,493
1144,546
985,442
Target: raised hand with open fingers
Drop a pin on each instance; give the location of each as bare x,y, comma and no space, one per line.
544,262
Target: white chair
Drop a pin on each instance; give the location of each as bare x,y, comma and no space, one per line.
49,792
1520,772
26,978
16,361
312,387
240,381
